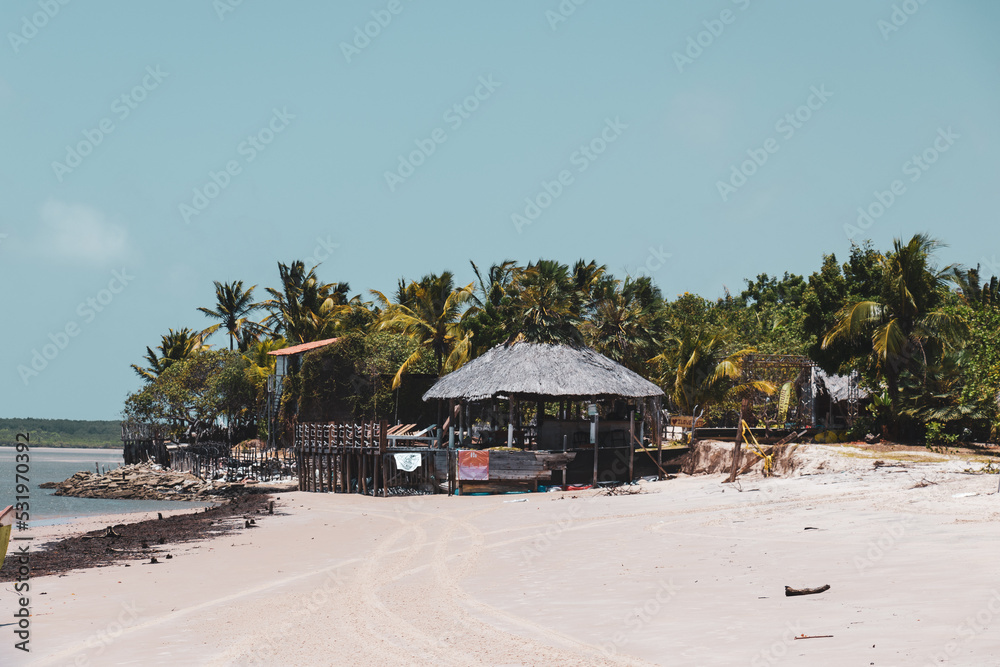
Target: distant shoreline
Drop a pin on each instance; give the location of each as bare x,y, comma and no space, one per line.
66,446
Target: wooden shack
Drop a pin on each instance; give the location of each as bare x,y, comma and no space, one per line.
546,399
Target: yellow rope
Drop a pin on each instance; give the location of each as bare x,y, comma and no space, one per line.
768,458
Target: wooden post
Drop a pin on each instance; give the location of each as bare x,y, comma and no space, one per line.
658,426
510,421
451,472
565,438
631,445
383,445
595,436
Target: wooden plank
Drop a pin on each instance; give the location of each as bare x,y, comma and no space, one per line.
685,421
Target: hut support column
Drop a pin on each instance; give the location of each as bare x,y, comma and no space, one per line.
510,422
631,445
594,439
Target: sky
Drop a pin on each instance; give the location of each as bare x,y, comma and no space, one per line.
149,149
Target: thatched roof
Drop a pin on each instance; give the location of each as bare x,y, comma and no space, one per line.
542,370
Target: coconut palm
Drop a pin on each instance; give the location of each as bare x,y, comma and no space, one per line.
174,346
687,368
546,305
232,305
975,293
907,326
304,309
431,313
626,322
488,323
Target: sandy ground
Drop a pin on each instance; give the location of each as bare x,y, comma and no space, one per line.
690,572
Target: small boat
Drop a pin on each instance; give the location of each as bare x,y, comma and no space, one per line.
6,523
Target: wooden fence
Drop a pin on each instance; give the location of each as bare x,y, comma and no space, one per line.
355,458
142,443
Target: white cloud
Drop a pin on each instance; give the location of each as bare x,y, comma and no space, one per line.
80,233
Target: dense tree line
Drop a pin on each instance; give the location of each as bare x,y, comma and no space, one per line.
62,432
922,337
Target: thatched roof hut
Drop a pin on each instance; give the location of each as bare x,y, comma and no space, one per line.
542,370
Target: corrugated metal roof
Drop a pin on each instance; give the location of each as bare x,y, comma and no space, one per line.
304,347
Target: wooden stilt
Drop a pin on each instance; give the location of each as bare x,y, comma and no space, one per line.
631,445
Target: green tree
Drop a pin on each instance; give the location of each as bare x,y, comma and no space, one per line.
304,309
197,395
905,326
488,321
627,322
232,306
431,313
546,304
174,346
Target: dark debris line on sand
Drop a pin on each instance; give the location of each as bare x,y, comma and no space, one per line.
142,540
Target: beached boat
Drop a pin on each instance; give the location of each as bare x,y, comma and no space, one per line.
6,523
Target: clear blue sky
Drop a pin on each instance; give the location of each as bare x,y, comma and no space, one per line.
139,103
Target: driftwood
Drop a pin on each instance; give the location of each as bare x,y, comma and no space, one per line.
789,591
111,532
813,636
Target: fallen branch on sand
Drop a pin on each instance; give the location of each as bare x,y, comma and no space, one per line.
789,591
922,483
813,636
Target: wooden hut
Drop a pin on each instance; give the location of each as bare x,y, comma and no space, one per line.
574,399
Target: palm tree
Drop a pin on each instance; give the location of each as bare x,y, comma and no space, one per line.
174,346
688,367
626,322
745,388
233,304
977,294
430,313
546,305
906,326
489,321
304,309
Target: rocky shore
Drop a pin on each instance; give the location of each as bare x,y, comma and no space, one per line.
145,482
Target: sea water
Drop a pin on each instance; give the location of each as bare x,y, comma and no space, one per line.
51,464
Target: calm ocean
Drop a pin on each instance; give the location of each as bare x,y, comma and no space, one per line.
57,464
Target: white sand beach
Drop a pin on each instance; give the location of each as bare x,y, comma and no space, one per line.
689,572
